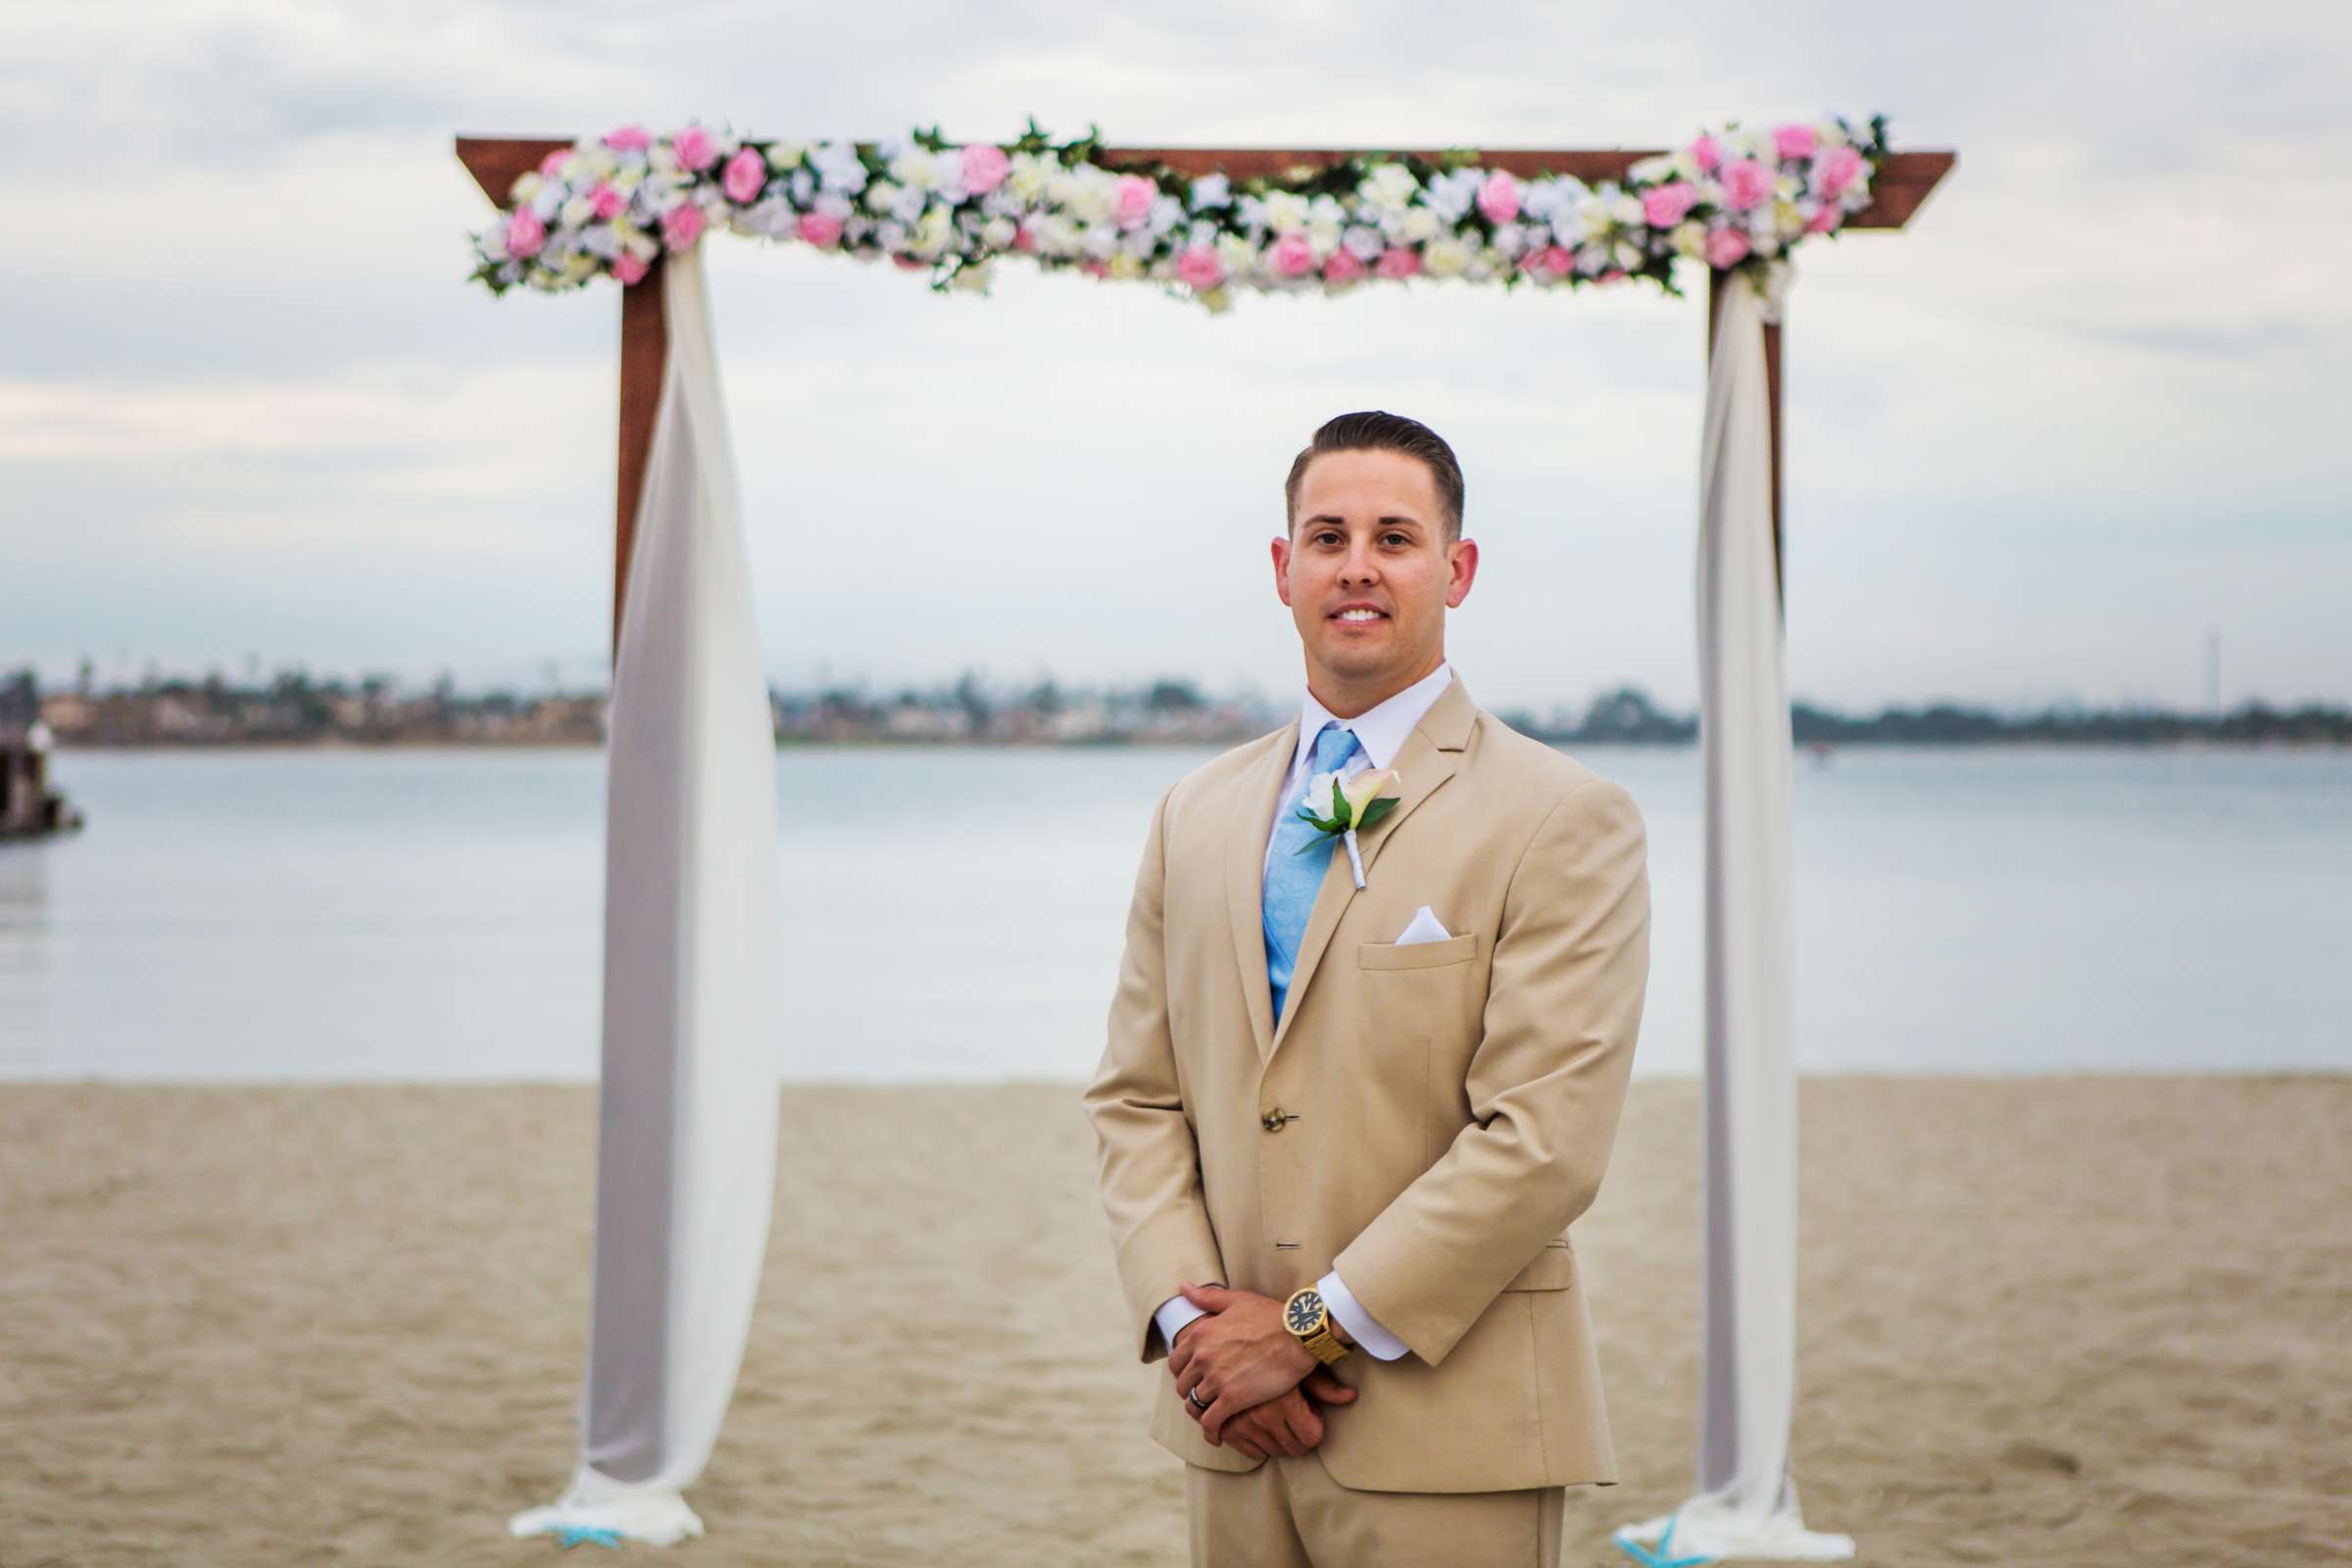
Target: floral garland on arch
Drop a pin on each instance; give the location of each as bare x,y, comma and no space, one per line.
1734,198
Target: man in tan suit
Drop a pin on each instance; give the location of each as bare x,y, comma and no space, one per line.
1343,1130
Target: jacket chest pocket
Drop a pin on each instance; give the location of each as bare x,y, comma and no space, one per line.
1391,955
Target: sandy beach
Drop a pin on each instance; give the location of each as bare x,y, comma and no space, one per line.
2065,1321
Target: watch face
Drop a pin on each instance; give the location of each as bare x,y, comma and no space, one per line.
1306,1313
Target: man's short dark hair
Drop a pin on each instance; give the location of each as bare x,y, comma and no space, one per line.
1376,431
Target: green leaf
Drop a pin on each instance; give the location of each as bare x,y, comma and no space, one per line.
1376,809
1338,802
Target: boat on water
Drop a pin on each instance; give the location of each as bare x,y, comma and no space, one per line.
29,807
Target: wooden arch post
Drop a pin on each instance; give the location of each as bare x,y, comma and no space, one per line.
1903,182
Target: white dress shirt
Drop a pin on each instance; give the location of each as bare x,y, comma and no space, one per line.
1381,732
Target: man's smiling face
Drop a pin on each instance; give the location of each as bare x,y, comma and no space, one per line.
1368,574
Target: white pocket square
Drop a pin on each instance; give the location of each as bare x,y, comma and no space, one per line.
1424,927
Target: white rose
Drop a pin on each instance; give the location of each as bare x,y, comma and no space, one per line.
1210,190
879,195
1690,237
891,235
1389,185
1316,797
576,212
838,167
999,232
1445,257
784,156
909,205
1323,236
1099,240
1285,212
914,169
1030,173
1238,253
1364,244
1420,224
1628,255
1509,239
1166,212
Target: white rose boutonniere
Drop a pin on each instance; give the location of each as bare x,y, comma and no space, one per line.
1354,803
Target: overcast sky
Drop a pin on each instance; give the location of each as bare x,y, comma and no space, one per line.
2087,409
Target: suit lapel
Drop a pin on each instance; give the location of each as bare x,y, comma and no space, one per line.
1249,814
1432,755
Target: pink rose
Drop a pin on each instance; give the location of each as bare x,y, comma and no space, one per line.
628,268
1201,268
1293,255
1794,141
525,234
629,138
1024,240
697,148
606,202
1725,247
912,264
1614,276
1705,155
746,173
553,163
1498,197
1136,195
1342,266
820,230
1557,259
1745,184
1665,205
1839,168
1398,262
1828,219
1093,269
983,168
682,226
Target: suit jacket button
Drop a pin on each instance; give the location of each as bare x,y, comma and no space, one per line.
1274,1119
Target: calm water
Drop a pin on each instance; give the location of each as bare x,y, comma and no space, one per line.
435,915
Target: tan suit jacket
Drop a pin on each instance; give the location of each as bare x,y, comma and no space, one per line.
1430,1118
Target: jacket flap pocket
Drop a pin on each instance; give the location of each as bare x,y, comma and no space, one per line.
1555,1269
1416,955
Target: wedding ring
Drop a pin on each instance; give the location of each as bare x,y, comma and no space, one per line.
1192,1398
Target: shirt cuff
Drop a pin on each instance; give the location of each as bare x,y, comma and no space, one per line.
1173,1314
1341,1303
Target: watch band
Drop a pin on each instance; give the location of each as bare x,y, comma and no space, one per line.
1321,1342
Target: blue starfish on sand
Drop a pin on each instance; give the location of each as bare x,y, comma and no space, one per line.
1660,1556
570,1536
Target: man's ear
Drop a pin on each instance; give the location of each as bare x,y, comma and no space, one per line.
1461,566
1282,569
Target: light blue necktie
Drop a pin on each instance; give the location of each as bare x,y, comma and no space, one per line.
1295,872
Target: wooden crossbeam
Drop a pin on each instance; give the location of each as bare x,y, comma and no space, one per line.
1902,183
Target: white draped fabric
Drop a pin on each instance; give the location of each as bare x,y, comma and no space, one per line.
1745,1504
686,1140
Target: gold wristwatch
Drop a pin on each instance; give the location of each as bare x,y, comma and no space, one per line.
1309,1323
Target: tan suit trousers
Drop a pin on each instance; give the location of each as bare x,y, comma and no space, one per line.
1288,1513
